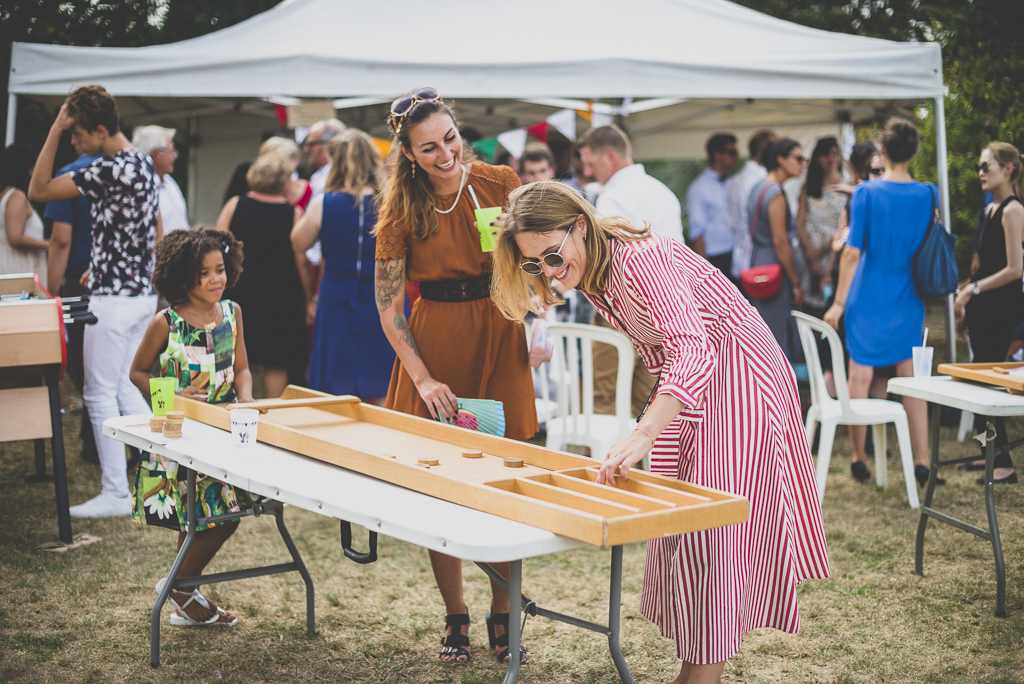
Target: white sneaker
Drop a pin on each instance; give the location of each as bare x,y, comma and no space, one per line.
103,506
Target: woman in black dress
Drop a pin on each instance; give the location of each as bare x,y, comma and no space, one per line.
270,287
992,302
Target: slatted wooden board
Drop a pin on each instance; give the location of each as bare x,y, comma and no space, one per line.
552,490
987,373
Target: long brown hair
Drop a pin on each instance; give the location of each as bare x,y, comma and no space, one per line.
542,208
408,198
1005,153
355,163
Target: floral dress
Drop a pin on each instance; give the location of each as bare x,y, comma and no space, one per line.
203,358
821,224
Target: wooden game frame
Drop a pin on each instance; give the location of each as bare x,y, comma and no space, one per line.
554,490
987,373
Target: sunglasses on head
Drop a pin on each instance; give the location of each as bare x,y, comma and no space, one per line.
405,104
876,171
554,260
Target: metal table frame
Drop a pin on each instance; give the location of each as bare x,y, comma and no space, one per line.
981,400
533,542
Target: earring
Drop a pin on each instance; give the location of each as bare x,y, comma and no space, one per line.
414,169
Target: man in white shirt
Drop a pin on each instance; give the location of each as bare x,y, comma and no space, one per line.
752,173
315,146
158,143
707,204
606,154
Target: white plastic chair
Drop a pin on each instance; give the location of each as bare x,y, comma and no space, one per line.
574,421
846,411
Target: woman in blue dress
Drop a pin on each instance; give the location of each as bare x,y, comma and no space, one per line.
883,313
350,354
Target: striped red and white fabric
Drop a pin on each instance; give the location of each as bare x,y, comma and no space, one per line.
741,432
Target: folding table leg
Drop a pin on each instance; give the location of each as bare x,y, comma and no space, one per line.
929,490
614,607
179,560
993,525
297,559
60,470
515,596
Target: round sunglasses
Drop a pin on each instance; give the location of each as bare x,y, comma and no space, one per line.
554,260
405,104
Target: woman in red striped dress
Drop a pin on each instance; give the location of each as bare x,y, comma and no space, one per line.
726,416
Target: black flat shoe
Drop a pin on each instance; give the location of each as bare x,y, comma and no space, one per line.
1009,479
860,471
921,475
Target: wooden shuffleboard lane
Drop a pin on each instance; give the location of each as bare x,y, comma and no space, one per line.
552,490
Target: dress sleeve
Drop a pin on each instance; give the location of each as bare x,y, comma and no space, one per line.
689,362
392,241
858,218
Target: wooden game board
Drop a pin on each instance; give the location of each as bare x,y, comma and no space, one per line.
551,490
988,373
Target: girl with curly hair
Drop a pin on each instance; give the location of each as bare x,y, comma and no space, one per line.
199,341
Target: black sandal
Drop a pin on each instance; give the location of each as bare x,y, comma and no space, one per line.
455,643
493,620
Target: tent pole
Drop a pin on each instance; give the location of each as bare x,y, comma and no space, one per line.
943,169
12,116
193,168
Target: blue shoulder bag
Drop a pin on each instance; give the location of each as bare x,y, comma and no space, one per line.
934,264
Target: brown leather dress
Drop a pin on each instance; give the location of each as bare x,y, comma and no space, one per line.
469,346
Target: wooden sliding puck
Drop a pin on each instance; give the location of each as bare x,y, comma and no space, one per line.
422,465
175,417
472,453
428,461
156,423
513,463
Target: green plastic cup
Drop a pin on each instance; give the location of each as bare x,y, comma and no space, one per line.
484,218
161,394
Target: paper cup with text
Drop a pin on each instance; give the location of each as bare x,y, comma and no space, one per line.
244,423
484,218
923,361
161,394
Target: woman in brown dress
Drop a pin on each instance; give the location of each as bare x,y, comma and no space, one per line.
456,343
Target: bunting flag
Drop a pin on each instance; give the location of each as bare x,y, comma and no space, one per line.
597,119
383,146
539,131
514,141
564,122
281,112
487,147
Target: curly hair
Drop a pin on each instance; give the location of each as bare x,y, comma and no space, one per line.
91,107
179,260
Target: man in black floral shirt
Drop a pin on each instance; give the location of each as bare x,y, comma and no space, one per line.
121,185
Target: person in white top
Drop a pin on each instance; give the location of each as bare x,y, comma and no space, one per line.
606,154
752,173
158,143
707,203
22,245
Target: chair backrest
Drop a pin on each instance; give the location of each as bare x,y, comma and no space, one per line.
810,328
573,363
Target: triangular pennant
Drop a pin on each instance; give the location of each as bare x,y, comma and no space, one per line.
564,122
486,147
539,131
584,113
281,112
513,141
597,119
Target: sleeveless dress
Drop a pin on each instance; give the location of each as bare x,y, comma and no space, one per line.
740,431
469,346
351,353
269,288
18,259
204,359
820,224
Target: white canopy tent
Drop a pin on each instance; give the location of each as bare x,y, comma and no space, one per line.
682,68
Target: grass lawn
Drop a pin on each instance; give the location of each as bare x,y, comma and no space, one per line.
83,616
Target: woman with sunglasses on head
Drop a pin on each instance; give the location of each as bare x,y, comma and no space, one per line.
875,295
455,343
773,241
991,303
726,415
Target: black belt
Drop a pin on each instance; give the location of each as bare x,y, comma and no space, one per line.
467,290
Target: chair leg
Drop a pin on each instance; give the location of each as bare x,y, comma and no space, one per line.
907,457
828,435
810,425
881,466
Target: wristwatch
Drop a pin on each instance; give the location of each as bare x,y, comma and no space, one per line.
976,290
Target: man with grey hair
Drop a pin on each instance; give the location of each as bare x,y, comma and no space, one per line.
158,143
320,135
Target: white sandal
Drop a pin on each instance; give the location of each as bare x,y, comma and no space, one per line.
181,619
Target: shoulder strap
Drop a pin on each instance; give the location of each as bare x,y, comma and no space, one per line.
757,212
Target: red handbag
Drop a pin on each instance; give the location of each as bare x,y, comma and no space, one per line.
761,282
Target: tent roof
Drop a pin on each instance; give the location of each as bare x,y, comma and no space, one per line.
534,49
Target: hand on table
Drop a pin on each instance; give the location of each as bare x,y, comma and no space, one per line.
440,400
191,392
623,456
247,399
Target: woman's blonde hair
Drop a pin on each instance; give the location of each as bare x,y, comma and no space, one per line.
283,146
269,174
355,163
1005,153
545,207
408,197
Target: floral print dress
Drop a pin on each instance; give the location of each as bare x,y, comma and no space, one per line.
203,358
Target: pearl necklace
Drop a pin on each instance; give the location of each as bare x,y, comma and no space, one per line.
462,184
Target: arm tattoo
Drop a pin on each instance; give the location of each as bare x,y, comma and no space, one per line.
389,279
403,329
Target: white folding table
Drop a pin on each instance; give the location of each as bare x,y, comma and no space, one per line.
278,476
986,400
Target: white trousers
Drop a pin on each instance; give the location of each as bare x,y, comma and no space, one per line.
108,351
